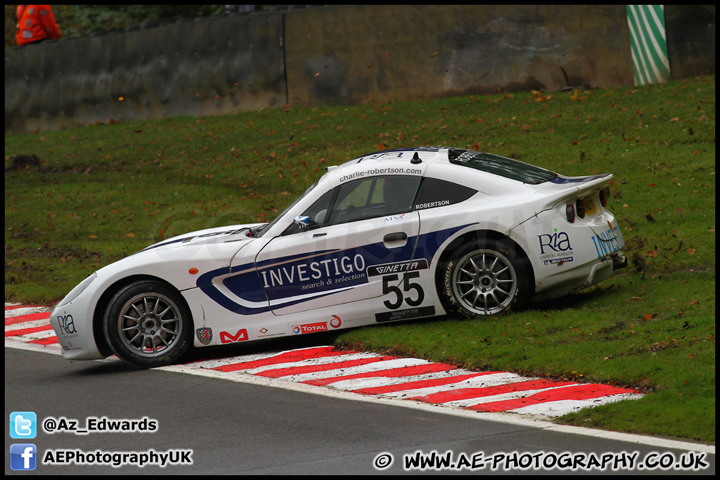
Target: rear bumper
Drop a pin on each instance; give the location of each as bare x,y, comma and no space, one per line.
583,277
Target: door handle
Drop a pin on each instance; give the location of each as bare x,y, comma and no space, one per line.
394,237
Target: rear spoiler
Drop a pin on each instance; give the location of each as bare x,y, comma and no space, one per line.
573,186
562,180
569,187
584,184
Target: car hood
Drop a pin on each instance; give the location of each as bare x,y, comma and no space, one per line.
218,235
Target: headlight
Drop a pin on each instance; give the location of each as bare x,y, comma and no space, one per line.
75,292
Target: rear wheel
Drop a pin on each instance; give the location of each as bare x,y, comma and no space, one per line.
485,279
148,324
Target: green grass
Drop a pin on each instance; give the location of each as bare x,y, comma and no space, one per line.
649,336
106,191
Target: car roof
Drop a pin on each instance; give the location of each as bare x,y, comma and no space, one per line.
413,161
425,154
466,167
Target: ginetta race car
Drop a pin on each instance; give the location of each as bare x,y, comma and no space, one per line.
394,235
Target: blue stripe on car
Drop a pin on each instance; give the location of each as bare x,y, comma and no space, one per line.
251,286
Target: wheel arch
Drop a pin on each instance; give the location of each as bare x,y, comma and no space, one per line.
477,236
104,300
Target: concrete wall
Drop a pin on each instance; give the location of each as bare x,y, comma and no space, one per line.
355,53
333,55
691,39
216,65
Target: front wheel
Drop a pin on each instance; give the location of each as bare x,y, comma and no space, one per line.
486,279
147,324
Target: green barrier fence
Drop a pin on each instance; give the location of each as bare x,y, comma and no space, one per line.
648,43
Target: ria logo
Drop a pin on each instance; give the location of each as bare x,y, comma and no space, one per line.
557,242
240,336
66,324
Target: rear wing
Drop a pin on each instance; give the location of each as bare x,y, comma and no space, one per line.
568,187
584,184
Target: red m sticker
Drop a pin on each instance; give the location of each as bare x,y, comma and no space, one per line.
240,336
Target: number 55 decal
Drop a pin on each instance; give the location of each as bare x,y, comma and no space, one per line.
395,290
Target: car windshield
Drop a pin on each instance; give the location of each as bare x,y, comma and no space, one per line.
505,167
261,230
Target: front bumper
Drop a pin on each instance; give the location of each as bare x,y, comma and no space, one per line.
74,330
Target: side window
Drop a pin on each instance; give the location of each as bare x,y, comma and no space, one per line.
399,193
354,195
318,213
374,197
439,193
362,199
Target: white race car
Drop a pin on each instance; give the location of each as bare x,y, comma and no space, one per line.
394,235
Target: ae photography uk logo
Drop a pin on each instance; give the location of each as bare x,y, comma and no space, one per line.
24,456
545,461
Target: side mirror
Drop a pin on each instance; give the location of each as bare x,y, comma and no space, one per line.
302,221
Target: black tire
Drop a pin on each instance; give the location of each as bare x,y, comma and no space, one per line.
148,324
484,279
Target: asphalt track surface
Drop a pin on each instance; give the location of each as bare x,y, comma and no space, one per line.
244,428
246,425
363,373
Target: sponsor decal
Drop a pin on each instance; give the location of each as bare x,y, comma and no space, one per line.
66,325
313,275
352,176
380,171
405,314
204,335
555,248
375,270
396,152
557,242
466,156
326,274
239,336
384,155
395,218
267,333
559,261
609,241
439,203
335,321
309,328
